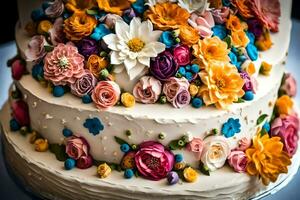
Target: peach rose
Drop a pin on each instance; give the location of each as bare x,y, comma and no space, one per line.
106,94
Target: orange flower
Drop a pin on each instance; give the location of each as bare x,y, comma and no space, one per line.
267,159
284,105
222,85
79,25
239,39
167,15
264,42
80,5
95,64
243,7
188,35
114,6
215,4
234,23
210,50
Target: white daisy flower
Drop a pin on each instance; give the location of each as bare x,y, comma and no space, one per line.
133,45
191,6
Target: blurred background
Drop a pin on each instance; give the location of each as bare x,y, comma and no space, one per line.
7,34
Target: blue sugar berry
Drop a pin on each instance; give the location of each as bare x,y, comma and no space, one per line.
14,125
37,15
178,158
128,173
58,91
197,102
86,99
189,76
125,148
182,71
195,68
249,96
70,164
67,132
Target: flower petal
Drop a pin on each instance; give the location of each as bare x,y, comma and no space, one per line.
111,40
134,27
130,63
115,59
144,60
136,71
122,30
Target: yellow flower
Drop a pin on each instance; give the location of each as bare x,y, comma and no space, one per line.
79,25
265,68
190,175
95,64
103,170
264,42
239,39
41,145
244,9
128,161
80,5
210,50
167,15
127,100
266,158
222,85
234,24
44,27
193,89
179,166
188,35
33,137
284,105
114,6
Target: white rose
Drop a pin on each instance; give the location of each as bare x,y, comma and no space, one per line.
215,152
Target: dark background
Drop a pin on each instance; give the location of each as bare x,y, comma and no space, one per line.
9,17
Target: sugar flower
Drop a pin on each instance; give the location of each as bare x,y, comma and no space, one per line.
182,55
63,65
238,161
166,16
188,35
173,86
243,8
18,68
104,170
77,147
234,24
267,159
203,23
255,27
20,112
182,98
84,85
106,94
115,7
248,85
79,25
289,85
220,15
96,63
87,47
56,33
36,48
110,20
268,12
94,125
215,152
196,146
222,85
264,42
239,39
55,9
133,45
147,90
79,5
287,128
284,105
198,6
84,162
231,127
190,175
243,144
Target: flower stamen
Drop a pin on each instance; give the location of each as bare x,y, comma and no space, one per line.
136,44
63,62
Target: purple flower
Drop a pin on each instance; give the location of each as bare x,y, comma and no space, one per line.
84,85
182,99
128,15
255,27
248,85
87,47
163,66
173,178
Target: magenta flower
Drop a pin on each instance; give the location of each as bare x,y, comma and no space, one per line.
20,112
18,68
238,161
248,85
182,55
77,147
153,160
84,162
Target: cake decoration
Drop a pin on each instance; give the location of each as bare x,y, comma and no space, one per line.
231,127
94,125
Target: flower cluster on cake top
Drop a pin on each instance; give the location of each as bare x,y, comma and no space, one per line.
196,52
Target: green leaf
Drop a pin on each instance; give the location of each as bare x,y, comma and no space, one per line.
228,41
240,100
48,48
92,12
59,151
203,169
174,145
263,132
261,119
120,141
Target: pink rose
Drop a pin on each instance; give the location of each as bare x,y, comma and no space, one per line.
20,112
173,86
196,146
84,162
221,15
77,147
64,65
153,160
36,49
289,86
238,161
56,33
147,90
244,144
182,99
203,23
110,20
55,9
18,69
182,55
84,85
287,127
106,94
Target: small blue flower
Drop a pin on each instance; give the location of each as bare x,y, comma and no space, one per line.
197,102
69,164
226,3
178,158
58,91
94,125
125,148
14,125
231,127
99,32
139,6
128,173
168,39
251,37
220,31
233,58
38,72
252,51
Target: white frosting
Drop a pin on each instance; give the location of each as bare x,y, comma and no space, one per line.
44,175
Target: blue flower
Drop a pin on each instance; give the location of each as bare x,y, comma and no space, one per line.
168,39
231,127
251,37
139,6
219,31
99,32
252,51
94,125
226,3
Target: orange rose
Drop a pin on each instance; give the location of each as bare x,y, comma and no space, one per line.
114,6
264,42
79,25
239,39
80,5
267,159
215,4
284,105
167,15
233,23
95,64
188,35
243,7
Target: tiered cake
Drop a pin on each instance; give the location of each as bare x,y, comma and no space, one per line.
151,99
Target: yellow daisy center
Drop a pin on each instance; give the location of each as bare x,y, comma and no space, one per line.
135,44
63,62
220,83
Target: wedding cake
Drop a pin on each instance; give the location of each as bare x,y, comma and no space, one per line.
145,99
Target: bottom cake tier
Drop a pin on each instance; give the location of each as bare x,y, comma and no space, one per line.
43,175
